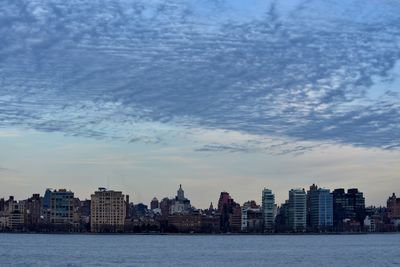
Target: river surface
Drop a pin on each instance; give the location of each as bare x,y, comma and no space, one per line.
195,250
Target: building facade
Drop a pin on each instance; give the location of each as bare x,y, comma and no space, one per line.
321,208
348,207
297,210
268,209
58,207
393,207
108,211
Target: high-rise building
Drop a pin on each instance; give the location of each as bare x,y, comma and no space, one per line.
107,211
230,213
320,203
339,207
154,204
58,206
356,204
180,204
393,207
33,210
165,205
268,209
348,206
297,210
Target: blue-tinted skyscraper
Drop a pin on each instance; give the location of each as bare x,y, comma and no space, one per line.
320,208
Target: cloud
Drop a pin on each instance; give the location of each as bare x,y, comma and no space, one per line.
152,71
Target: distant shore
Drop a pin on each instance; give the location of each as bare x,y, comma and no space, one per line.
202,234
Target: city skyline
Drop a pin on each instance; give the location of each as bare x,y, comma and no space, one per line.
223,95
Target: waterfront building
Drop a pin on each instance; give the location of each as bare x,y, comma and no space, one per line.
297,210
58,207
235,219
320,203
230,213
13,214
282,217
251,218
348,206
268,209
108,211
393,207
33,211
184,223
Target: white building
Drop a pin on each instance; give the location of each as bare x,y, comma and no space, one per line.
298,210
180,205
268,209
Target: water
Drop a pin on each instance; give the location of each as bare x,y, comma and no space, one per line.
217,250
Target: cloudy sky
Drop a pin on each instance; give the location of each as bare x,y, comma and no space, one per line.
235,95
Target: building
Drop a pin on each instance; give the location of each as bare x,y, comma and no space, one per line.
349,207
154,204
185,223
180,205
108,211
252,218
320,203
58,207
282,218
226,208
297,210
235,219
393,207
356,205
12,216
33,211
268,209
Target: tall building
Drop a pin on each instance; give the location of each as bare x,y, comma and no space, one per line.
320,203
165,205
356,204
33,210
230,213
268,209
339,207
297,210
348,206
154,204
58,206
282,217
108,211
224,200
180,204
393,207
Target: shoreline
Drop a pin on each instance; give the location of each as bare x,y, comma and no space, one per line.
202,234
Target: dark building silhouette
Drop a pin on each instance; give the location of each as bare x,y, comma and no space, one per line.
154,204
393,207
230,213
33,207
348,206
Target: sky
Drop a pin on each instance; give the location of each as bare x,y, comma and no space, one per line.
216,95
